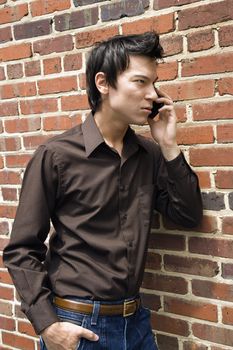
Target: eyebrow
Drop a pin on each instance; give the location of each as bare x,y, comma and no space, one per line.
144,77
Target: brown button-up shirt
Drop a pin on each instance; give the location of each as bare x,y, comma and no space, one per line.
101,206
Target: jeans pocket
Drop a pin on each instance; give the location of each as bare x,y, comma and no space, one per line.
42,344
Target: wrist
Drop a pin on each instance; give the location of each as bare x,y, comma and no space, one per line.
170,152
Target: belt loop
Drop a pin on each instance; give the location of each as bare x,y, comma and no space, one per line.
95,313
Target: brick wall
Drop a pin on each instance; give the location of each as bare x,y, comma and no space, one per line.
43,44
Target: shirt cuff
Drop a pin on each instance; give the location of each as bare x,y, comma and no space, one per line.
178,167
42,315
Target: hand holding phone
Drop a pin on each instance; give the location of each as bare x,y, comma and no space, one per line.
155,109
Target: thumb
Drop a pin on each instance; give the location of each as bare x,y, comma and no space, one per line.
86,333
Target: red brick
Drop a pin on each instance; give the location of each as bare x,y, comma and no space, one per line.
167,241
214,247
219,63
4,229
13,14
189,308
172,45
190,266
90,37
17,341
161,4
164,283
39,106
5,35
226,36
227,271
224,179
74,102
32,29
188,90
32,142
9,194
1,163
211,156
18,90
73,62
180,113
213,334
169,324
161,24
153,261
57,123
227,225
3,2
225,133
7,324
195,134
201,40
52,65
10,144
203,15
15,71
41,7
167,342
6,293
204,179
225,86
227,315
151,301
17,161
5,307
22,125
32,68
8,109
9,177
194,346
82,81
7,211
76,19
59,44
15,52
213,290
213,111
167,71
51,86
2,74
26,328
208,224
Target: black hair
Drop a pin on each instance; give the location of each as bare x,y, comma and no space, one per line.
112,57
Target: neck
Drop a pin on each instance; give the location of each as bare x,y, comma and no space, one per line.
112,130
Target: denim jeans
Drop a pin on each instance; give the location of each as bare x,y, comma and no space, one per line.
115,332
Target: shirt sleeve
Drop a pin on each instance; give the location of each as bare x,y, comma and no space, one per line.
26,251
178,195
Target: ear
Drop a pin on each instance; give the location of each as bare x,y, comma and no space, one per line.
101,83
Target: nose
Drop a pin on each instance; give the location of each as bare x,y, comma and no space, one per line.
151,93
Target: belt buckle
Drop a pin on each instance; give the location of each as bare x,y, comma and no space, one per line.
126,304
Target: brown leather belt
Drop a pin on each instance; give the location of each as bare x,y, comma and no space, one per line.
125,309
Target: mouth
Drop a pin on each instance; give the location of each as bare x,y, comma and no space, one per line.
147,109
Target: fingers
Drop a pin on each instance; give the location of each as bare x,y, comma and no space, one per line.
86,333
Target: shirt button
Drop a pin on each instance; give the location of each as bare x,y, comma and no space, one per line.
122,187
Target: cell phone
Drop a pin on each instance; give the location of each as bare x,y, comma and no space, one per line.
155,109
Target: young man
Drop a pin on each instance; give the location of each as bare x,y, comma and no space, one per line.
99,183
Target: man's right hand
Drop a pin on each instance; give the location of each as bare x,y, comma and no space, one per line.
65,336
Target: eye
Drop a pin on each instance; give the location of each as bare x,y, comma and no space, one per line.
140,81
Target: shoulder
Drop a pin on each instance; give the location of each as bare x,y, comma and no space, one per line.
149,145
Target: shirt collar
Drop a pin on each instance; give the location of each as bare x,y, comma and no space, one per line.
93,137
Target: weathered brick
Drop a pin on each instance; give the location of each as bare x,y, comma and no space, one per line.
124,8
17,161
225,86
167,241
213,201
218,63
153,261
169,324
32,68
32,142
6,293
188,345
13,14
17,341
73,62
77,19
52,65
7,324
88,38
38,106
213,334
51,86
4,227
201,40
75,102
172,45
167,71
225,133
161,4
195,135
161,24
190,308
15,71
58,44
227,270
9,194
18,90
5,307
226,36
26,328
188,90
227,315
227,226
32,29
213,111
164,283
204,179
205,15
211,157
2,73
9,177
166,342
82,81
85,2
190,266
5,35
208,224
151,301
10,144
213,290
209,246
22,125
7,211
41,7
8,109
57,123
15,52
230,197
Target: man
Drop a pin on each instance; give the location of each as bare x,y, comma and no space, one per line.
99,183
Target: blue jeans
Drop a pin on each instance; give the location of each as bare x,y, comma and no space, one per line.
115,332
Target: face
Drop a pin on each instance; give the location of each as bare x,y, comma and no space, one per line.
132,100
